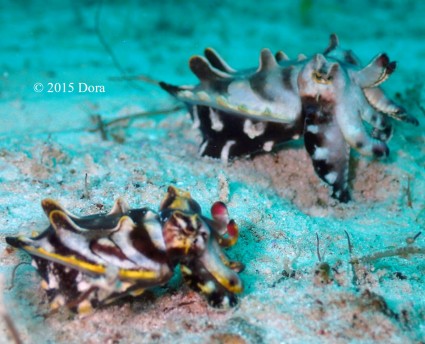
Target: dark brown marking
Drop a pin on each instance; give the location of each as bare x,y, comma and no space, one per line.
215,60
63,250
60,220
380,151
286,78
350,58
281,56
258,82
202,69
333,43
173,90
142,242
383,134
391,67
97,248
66,279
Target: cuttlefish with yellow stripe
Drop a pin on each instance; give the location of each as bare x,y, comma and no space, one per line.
91,261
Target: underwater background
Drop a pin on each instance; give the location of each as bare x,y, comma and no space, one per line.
52,138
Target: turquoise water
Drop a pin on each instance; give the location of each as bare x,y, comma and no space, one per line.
50,139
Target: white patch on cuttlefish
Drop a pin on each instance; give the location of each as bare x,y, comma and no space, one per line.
83,286
196,121
267,146
106,242
253,130
320,153
331,177
53,282
216,123
313,129
203,147
186,94
208,287
224,156
202,95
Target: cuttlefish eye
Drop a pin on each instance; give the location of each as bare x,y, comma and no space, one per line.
182,233
321,78
188,224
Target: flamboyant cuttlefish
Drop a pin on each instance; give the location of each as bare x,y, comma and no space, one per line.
91,261
326,98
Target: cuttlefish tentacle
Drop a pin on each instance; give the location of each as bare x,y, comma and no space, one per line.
382,128
355,133
326,146
376,72
385,132
379,101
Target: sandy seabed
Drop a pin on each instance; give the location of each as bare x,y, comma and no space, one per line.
49,143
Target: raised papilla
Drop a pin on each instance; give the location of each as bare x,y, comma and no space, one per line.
325,98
